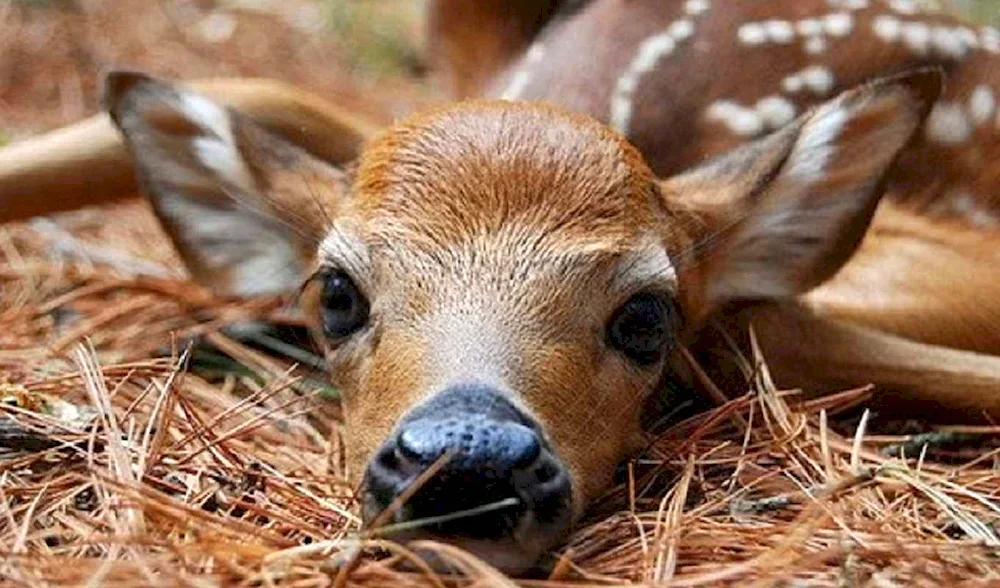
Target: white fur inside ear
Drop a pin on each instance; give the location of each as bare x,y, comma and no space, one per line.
253,255
817,143
216,149
207,114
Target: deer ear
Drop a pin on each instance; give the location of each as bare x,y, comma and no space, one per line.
245,208
784,213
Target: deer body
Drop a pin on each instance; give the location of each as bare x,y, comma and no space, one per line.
687,80
500,285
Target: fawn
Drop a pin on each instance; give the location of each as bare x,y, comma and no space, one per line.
500,285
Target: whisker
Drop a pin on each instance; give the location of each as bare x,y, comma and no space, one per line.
295,227
708,243
327,217
388,530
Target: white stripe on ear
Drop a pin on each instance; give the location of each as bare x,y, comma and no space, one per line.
817,144
216,149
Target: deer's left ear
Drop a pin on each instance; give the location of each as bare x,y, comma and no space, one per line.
245,208
784,213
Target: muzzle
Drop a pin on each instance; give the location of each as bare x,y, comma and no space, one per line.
501,484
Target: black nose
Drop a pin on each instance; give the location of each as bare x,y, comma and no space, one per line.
495,458
475,442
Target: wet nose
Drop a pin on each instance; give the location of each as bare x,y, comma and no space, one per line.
494,455
475,442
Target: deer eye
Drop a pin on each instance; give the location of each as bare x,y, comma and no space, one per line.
345,309
642,328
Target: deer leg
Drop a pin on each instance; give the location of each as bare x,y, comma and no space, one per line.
87,163
820,354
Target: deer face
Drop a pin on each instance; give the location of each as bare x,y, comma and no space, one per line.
521,302
499,286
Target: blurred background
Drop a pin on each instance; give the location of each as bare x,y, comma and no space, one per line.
982,10
366,54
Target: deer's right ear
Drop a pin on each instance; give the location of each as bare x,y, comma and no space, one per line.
245,208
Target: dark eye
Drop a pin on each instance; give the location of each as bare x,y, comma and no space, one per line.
345,309
642,327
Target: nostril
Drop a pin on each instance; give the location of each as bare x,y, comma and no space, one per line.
389,460
546,472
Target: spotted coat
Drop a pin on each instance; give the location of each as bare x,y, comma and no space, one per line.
688,79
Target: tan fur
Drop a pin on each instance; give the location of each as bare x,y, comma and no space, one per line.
928,280
471,42
916,380
499,273
925,270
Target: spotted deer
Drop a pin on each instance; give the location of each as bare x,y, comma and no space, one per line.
500,285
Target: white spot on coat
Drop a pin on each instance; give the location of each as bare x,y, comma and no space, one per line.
838,24
217,27
948,124
816,78
651,50
793,84
989,38
696,7
887,28
917,36
739,119
649,53
982,104
849,4
770,113
681,29
815,45
752,33
809,27
779,31
904,6
948,42
969,37
776,111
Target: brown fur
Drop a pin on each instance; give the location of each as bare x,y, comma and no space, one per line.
924,271
499,272
471,42
673,133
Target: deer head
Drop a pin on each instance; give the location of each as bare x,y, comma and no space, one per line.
500,285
